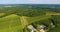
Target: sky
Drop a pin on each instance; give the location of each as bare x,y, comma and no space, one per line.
29,1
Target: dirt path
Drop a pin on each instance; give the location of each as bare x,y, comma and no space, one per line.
56,14
53,14
24,20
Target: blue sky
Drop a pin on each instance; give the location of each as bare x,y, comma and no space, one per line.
29,1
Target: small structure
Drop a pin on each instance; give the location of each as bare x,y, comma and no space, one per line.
41,28
31,28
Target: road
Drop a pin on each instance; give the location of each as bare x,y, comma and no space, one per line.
24,20
53,14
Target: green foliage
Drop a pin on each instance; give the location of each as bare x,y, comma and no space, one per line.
11,19
57,24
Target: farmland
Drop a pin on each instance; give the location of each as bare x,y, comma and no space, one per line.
18,18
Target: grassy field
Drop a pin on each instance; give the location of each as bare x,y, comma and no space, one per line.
18,18
15,23
9,23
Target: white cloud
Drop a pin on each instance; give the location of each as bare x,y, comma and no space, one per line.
42,1
32,1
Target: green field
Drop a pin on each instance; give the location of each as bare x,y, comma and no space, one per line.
17,19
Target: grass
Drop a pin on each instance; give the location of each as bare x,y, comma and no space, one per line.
15,23
9,23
